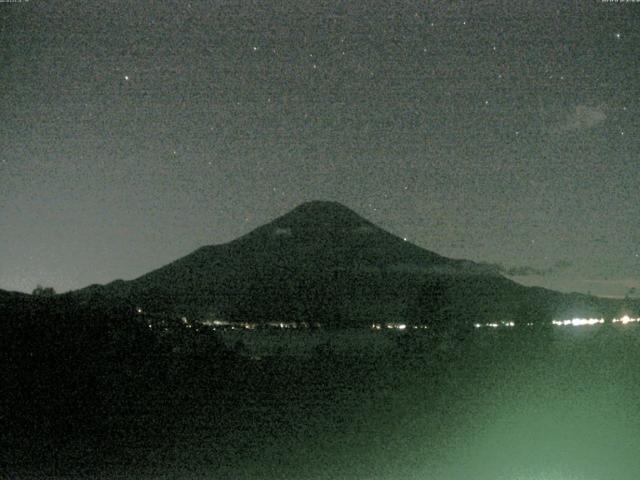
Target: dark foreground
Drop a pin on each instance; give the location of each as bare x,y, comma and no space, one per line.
86,401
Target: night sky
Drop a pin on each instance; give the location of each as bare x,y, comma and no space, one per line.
132,133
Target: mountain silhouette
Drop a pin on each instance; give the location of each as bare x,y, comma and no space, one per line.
324,263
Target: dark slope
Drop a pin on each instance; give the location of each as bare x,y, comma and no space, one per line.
322,262
11,302
6,295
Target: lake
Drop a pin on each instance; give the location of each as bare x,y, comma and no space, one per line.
555,404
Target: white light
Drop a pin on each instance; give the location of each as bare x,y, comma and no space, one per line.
126,77
625,319
578,322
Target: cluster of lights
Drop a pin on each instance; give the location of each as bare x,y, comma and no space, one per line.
626,319
574,322
389,326
494,325
578,322
280,325
233,325
396,326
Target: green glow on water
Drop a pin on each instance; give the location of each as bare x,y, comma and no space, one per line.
500,405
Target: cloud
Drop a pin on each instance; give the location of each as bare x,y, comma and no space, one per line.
583,118
525,270
615,287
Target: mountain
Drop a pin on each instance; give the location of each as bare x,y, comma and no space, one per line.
324,263
9,299
5,294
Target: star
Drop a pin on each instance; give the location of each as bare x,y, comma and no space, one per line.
618,35
126,77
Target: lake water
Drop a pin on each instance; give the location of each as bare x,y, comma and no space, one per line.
303,342
561,404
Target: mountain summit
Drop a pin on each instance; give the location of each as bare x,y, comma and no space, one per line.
321,213
320,235
324,263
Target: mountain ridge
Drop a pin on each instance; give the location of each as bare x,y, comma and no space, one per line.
323,262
